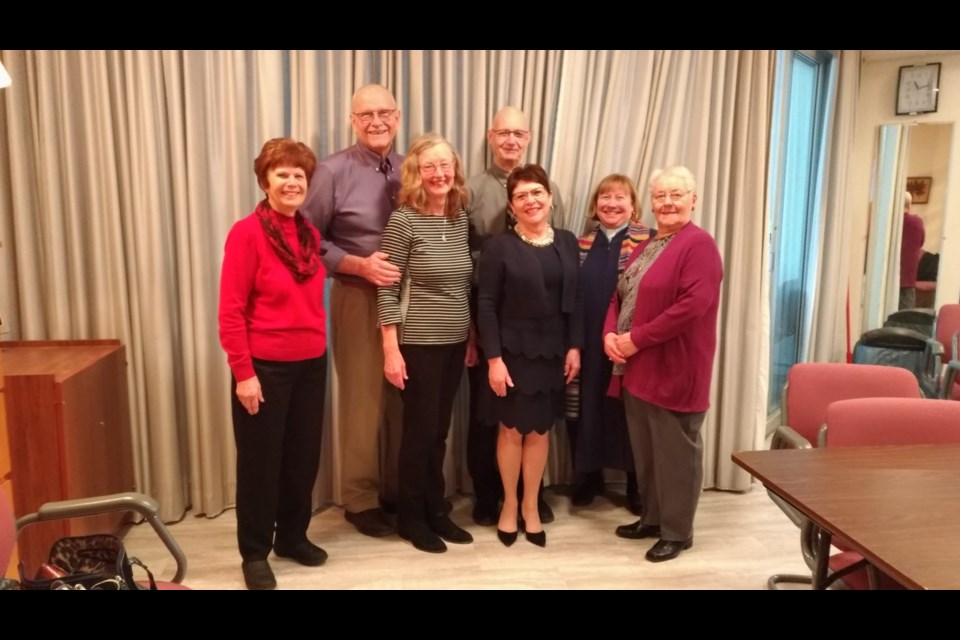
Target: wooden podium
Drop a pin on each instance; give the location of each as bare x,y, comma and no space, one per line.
68,421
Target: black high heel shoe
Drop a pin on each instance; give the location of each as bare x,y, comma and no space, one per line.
539,538
507,537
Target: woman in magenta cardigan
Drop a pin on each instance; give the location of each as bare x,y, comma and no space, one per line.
273,328
663,347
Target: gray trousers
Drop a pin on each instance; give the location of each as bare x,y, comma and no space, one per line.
668,456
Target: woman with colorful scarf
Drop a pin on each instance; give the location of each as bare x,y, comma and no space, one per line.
598,431
273,328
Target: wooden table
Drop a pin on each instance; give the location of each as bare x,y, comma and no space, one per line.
898,506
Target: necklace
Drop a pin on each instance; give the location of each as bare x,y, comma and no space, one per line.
443,234
545,241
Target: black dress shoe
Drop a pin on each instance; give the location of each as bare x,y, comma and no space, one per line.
485,514
446,529
507,538
422,537
667,549
539,538
258,575
370,523
638,531
546,513
306,553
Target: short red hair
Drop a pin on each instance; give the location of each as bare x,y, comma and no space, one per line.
284,152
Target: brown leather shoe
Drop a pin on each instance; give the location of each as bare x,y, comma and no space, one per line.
370,522
638,531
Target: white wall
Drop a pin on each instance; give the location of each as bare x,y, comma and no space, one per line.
930,156
877,106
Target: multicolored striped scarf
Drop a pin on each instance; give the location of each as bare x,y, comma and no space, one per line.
307,264
636,234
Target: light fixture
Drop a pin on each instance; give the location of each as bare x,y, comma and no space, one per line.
4,77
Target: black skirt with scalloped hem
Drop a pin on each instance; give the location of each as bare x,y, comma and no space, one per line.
536,400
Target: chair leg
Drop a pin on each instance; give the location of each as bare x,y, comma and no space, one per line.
774,582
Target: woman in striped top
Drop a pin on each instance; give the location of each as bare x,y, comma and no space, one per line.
425,322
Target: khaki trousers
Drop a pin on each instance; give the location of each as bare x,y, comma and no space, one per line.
367,410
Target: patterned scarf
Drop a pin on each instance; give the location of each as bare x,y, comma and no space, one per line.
636,234
302,268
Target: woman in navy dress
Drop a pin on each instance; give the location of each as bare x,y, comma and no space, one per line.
599,437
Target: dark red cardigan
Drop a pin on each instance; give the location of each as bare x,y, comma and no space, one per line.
674,324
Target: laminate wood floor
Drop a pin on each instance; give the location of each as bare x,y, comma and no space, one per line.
739,541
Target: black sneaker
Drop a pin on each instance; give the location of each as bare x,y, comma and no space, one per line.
423,539
258,575
446,529
371,522
306,553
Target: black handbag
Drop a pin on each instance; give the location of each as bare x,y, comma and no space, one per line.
96,562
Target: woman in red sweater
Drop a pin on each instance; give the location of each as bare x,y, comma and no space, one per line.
273,328
661,334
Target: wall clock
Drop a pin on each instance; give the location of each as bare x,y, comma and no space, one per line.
918,89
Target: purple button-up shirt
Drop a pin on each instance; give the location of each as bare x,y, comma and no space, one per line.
351,197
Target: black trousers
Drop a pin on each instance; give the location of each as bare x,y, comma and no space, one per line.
482,437
434,373
278,454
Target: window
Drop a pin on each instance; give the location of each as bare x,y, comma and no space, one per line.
798,142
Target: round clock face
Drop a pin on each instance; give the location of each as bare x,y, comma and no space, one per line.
918,89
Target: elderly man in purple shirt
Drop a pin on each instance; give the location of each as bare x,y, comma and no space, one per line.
351,197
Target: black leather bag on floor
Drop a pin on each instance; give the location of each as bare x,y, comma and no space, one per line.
97,562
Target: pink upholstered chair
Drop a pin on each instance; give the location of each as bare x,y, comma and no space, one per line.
938,381
810,389
883,421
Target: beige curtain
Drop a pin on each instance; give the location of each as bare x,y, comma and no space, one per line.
455,93
126,169
634,112
121,172
828,337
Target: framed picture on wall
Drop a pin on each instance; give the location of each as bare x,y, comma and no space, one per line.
919,188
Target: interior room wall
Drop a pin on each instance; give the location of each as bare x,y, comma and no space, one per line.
930,157
877,106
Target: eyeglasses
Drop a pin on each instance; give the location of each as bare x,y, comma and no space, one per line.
366,117
436,167
673,195
537,194
519,134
